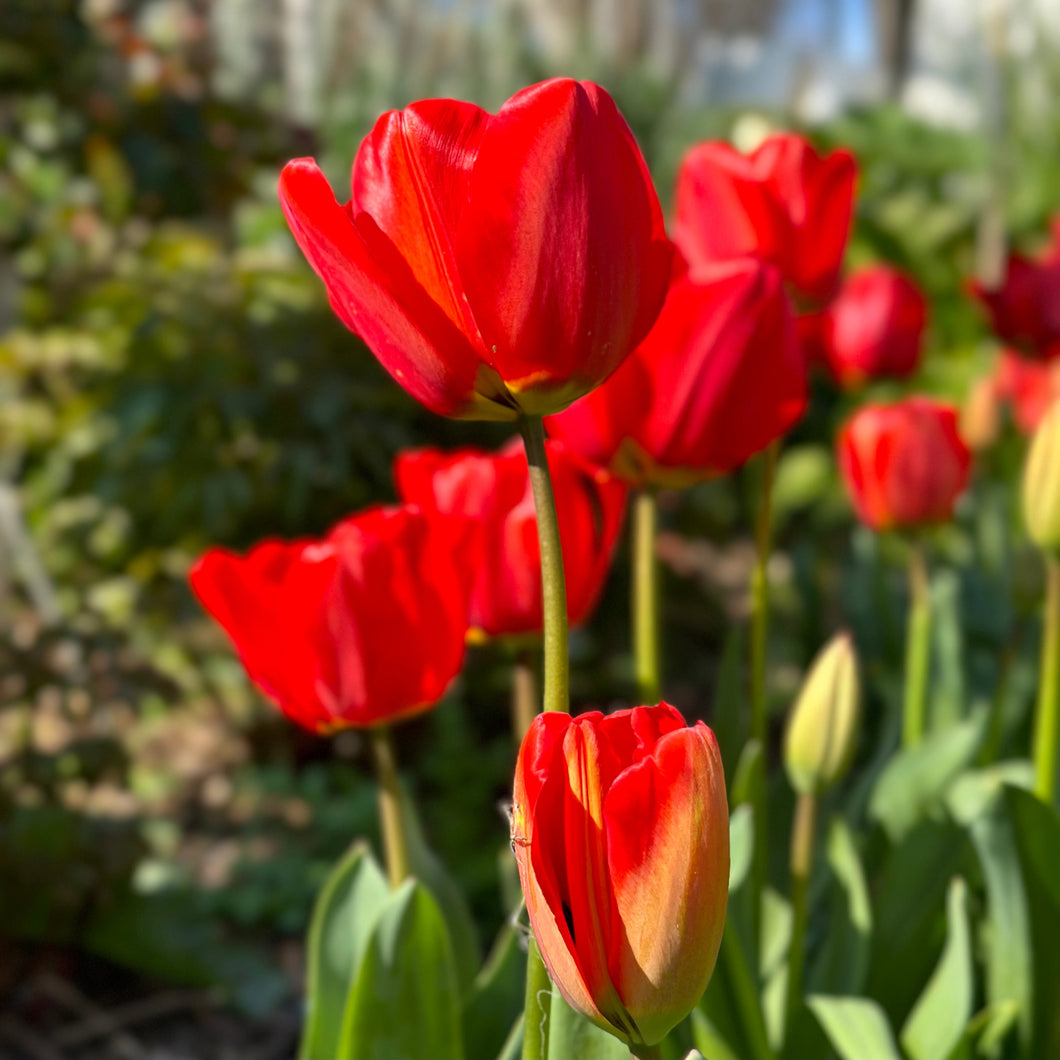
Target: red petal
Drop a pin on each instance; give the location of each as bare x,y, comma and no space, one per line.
381,300
563,256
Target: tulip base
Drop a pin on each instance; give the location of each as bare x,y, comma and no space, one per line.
1047,716
391,816
647,1052
553,586
646,598
918,650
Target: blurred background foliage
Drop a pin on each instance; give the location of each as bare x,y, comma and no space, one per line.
171,377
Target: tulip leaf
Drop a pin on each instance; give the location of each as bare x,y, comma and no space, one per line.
496,997
1037,831
975,800
405,1001
938,1019
346,911
909,906
804,475
843,964
573,1037
856,1026
428,868
916,778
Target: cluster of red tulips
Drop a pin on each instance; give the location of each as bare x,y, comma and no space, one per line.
516,266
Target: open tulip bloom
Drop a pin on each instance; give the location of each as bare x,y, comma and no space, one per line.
620,828
784,202
495,264
493,490
718,378
362,628
904,464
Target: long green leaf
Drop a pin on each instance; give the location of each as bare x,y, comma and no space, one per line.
856,1026
1037,830
843,964
347,909
938,1019
572,1037
406,1000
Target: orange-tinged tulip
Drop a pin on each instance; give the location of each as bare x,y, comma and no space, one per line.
620,827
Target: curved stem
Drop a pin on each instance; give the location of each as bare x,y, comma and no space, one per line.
538,1006
760,594
553,587
524,694
1047,716
917,649
801,866
646,598
391,819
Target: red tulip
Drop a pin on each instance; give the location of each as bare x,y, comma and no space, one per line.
874,327
716,380
620,828
493,263
903,464
493,489
784,202
361,628
1028,386
1025,309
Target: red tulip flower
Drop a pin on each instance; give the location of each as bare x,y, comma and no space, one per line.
493,489
874,328
620,828
1025,309
363,627
1028,386
904,464
717,379
784,202
495,264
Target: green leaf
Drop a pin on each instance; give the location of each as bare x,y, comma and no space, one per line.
406,1000
938,1019
915,779
573,1037
748,776
428,868
496,997
856,1027
1037,830
346,910
843,964
909,907
1007,937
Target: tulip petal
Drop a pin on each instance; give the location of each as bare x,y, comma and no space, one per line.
564,257
666,822
376,295
411,178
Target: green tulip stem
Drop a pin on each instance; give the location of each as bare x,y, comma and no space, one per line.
538,1007
647,1052
801,866
1047,717
917,649
646,598
524,694
391,818
760,594
554,590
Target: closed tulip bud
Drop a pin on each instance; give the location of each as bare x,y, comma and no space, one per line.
1041,483
620,827
823,727
904,464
